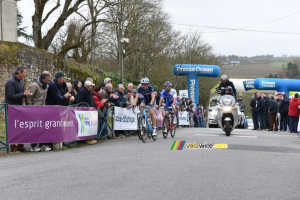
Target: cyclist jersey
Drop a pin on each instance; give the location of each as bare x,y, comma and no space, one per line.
169,96
146,94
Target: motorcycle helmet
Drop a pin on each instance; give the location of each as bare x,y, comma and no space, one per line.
224,78
228,90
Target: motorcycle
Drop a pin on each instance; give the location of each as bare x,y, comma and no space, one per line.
227,115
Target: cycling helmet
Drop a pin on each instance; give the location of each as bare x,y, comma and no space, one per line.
224,78
168,83
145,81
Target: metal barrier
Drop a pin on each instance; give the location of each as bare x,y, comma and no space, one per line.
105,121
6,145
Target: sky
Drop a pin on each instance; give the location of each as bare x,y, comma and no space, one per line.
273,25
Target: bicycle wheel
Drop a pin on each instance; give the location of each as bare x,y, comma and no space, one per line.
148,132
173,130
139,128
143,129
149,135
165,126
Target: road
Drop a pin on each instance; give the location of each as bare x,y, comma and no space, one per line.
256,165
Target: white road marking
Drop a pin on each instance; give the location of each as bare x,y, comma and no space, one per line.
234,135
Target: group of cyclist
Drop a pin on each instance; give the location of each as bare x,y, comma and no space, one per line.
169,95
147,91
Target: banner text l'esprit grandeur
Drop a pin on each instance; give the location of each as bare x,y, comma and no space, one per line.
42,124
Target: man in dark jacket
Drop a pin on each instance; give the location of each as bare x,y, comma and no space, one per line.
54,95
121,101
273,107
284,111
64,90
266,114
14,88
254,115
225,83
85,95
259,110
14,94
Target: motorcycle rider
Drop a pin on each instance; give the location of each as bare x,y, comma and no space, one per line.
225,83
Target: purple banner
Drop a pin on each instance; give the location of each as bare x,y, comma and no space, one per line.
46,124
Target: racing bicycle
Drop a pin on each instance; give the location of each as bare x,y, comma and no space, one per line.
168,123
145,126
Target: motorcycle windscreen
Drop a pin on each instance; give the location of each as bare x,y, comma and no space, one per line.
227,100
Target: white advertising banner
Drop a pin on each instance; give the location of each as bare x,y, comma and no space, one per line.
125,119
87,123
183,94
184,118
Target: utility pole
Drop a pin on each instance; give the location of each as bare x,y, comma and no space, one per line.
120,48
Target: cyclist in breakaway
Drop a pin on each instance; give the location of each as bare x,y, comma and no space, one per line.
171,99
149,99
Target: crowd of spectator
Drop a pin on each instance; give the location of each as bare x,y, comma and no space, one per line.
60,91
275,113
196,113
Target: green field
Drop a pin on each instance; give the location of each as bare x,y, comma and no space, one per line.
256,68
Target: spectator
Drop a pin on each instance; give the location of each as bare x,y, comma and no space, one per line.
120,101
14,94
190,110
202,117
99,104
39,91
258,110
77,87
273,107
266,114
54,95
254,115
279,100
130,87
197,113
183,104
284,113
64,90
106,81
72,98
294,113
106,94
14,88
128,96
85,96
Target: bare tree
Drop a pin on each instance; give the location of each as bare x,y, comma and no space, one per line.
44,42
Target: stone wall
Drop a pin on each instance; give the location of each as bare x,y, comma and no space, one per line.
13,54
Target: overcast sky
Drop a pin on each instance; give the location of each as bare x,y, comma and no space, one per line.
276,16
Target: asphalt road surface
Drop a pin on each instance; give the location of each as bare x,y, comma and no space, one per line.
256,165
